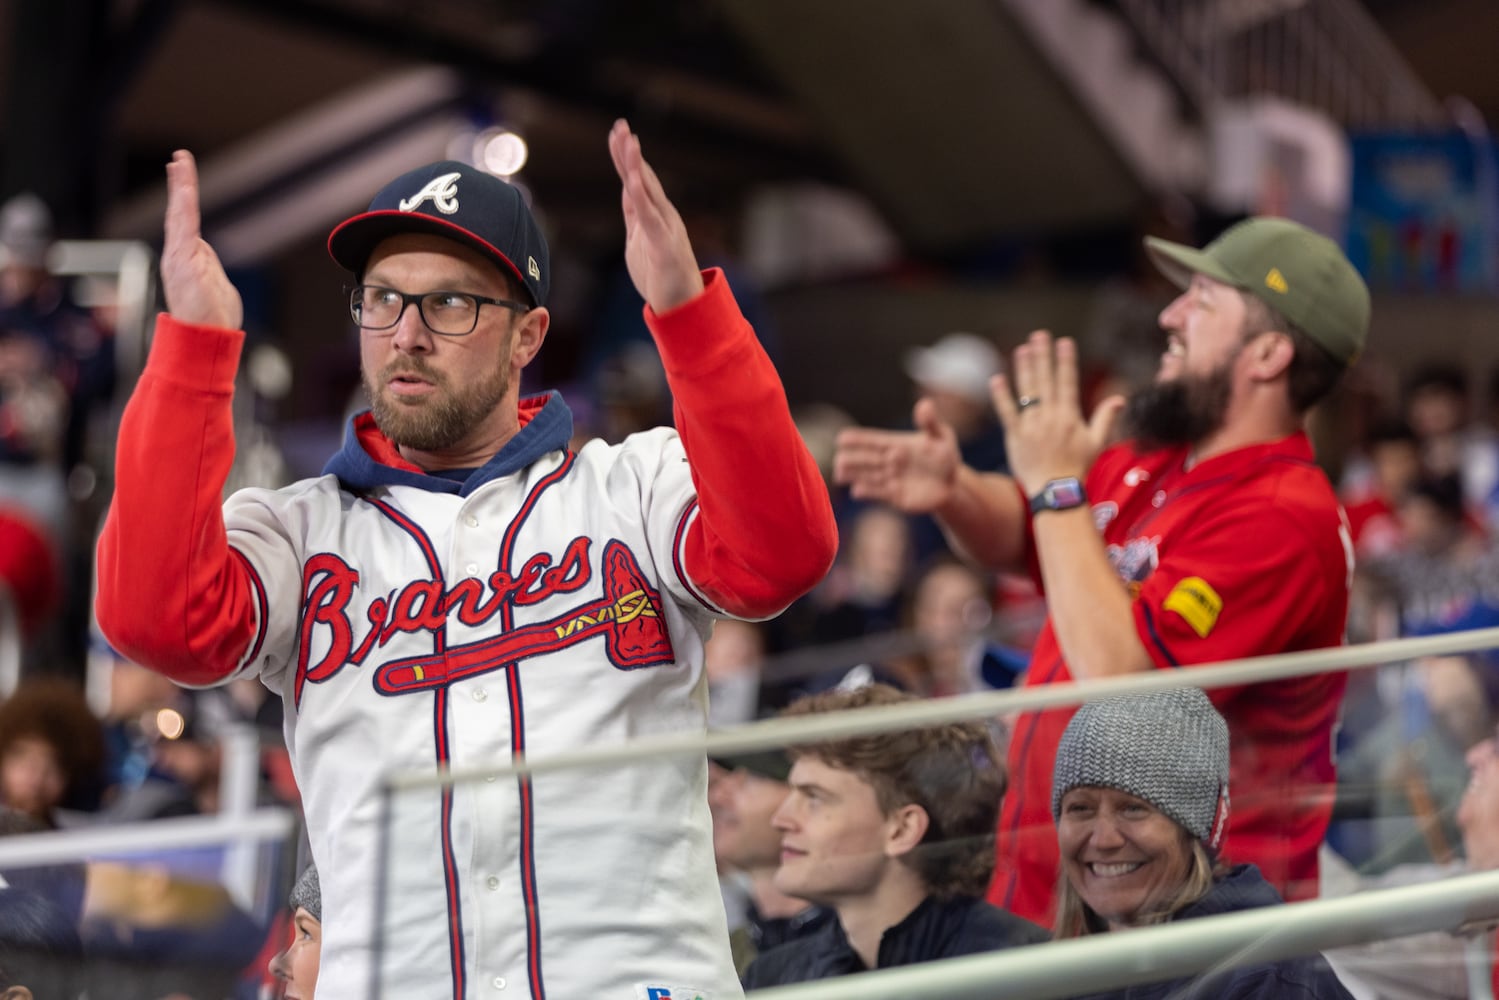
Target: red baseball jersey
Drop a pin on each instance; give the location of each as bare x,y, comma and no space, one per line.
1244,554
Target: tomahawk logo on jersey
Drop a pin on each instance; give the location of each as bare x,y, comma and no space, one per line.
515,616
628,618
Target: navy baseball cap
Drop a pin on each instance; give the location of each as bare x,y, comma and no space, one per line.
772,764
462,203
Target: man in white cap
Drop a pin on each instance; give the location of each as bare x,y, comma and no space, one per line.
952,377
954,374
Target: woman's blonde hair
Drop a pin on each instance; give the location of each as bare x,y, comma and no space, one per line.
1076,918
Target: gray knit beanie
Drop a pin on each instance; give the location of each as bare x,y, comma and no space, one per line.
307,894
1169,748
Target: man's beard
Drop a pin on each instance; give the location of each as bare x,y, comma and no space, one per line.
440,419
1184,410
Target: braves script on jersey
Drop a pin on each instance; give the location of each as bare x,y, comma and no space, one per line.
1244,554
552,600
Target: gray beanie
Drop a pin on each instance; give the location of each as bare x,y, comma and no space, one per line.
1169,748
307,894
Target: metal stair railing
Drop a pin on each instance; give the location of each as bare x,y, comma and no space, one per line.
1325,54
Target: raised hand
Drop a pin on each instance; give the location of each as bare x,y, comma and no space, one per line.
1046,436
914,471
196,288
1478,812
658,253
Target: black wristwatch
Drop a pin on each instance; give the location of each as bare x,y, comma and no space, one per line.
1059,494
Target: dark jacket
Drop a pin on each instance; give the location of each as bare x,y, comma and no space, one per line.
1243,888
935,929
761,934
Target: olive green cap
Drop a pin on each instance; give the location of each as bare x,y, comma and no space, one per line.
1301,274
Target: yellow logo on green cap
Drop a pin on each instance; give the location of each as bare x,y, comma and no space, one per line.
1276,281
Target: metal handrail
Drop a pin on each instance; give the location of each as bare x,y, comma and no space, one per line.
1068,968
1100,962
133,266
52,847
781,732
12,643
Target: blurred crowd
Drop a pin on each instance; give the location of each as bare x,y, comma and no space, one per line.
156,922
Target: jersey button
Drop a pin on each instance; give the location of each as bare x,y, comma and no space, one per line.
493,883
472,569
1159,498
499,982
471,521
480,694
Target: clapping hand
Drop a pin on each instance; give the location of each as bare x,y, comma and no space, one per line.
658,253
1046,435
197,290
913,471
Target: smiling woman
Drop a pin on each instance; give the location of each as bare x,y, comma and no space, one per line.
296,967
1140,797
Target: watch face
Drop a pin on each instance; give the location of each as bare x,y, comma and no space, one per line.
1066,493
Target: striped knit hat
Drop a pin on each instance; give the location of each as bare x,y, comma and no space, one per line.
1169,748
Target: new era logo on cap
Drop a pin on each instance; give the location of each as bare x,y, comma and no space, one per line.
459,202
1275,281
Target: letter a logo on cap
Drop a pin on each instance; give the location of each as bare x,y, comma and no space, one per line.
442,190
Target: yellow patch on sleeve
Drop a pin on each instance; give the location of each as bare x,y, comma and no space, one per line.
1197,602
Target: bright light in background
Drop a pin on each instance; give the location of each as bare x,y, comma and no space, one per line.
170,724
500,151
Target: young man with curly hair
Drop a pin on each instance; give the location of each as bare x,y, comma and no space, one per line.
895,833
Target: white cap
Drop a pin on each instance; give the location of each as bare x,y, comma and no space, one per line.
960,362
25,230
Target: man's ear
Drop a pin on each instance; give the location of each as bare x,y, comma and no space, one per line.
905,827
16,993
1270,356
530,331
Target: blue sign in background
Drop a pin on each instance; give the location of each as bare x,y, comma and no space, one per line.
1423,213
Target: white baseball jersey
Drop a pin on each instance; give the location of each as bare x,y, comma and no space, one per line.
542,610
412,622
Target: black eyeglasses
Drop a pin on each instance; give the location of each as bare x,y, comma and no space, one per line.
451,314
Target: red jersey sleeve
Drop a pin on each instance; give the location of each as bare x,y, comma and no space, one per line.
171,594
765,533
